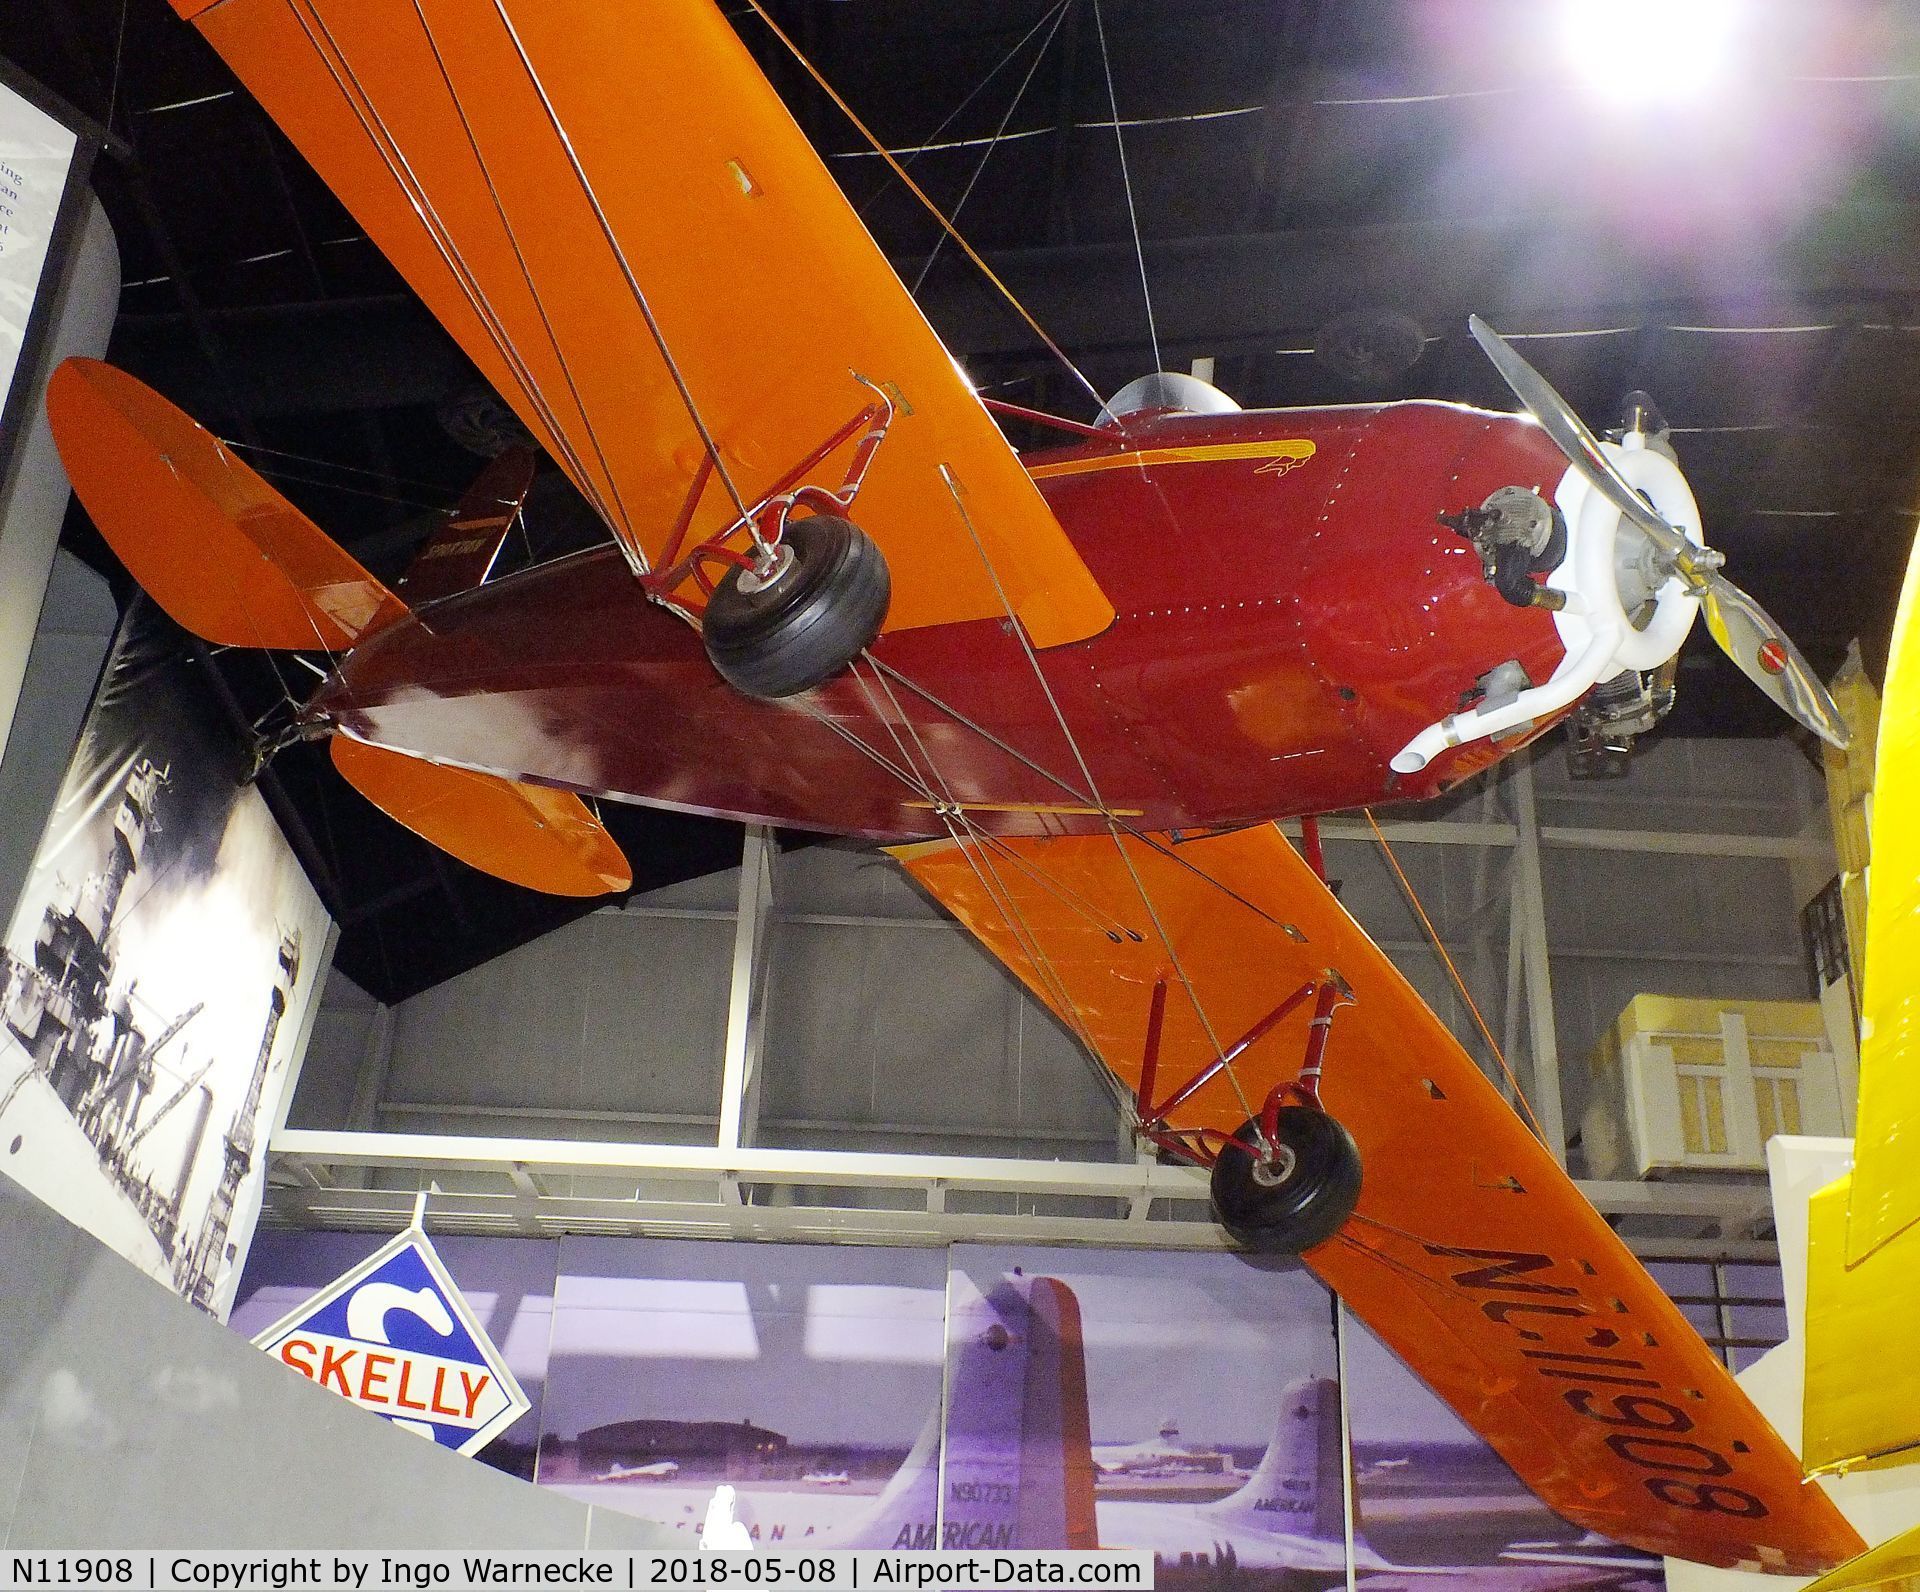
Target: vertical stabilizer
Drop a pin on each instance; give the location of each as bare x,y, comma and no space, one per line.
905,1512
460,555
1019,1457
1296,1489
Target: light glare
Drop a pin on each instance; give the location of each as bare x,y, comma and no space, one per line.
1641,52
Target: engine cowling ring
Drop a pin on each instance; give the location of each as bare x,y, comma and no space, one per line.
1590,574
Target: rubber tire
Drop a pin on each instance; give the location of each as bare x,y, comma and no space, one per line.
1307,1207
811,621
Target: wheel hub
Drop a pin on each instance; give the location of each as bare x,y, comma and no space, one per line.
763,575
1271,1170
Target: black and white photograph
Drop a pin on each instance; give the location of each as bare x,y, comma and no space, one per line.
158,973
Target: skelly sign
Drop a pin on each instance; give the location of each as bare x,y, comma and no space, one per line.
394,1336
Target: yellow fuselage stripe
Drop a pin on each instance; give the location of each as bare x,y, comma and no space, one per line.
1290,448
1045,809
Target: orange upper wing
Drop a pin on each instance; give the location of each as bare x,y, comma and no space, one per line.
1471,1253
549,173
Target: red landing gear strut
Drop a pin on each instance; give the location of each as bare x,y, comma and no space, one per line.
809,591
1290,1176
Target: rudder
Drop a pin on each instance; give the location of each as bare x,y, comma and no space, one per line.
1018,1468
460,554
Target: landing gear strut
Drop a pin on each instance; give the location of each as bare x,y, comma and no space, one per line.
1290,1177
810,594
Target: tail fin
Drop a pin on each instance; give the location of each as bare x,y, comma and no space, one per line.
904,1513
460,555
526,834
224,554
1298,1487
1019,1455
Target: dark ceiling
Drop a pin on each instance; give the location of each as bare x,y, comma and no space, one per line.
1324,189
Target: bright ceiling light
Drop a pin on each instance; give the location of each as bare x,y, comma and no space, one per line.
1641,52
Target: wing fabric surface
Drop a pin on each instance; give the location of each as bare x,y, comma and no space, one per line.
533,167
526,834
1471,1253
225,555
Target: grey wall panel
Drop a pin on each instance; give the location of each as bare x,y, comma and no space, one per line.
338,1052
606,1014
654,1013
96,1443
1740,787
76,628
35,499
850,880
893,1026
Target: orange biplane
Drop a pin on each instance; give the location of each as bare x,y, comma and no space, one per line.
1073,688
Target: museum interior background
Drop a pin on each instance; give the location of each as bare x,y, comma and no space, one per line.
735,1167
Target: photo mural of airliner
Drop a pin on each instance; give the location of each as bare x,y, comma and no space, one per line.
1020,1472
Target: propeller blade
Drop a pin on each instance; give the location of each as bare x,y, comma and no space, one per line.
1747,634
1583,452
1745,631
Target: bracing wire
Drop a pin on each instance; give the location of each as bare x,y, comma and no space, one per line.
526,272
1126,181
1113,824
1460,984
334,464
626,269
961,830
277,472
327,48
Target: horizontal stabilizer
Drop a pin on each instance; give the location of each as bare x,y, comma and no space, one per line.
526,834
224,554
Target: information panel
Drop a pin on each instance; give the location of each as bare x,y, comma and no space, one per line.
36,155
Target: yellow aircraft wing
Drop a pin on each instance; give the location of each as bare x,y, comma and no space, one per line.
1862,1397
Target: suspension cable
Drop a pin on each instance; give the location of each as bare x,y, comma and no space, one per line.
1126,181
993,143
1099,801
934,210
972,94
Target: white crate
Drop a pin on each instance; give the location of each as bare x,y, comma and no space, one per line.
1683,1085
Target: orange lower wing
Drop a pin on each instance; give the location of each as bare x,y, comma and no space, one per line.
224,554
1471,1252
552,176
526,834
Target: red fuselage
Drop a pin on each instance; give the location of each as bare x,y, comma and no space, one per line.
1290,615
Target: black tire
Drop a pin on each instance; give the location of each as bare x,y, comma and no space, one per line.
1304,1206
808,622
